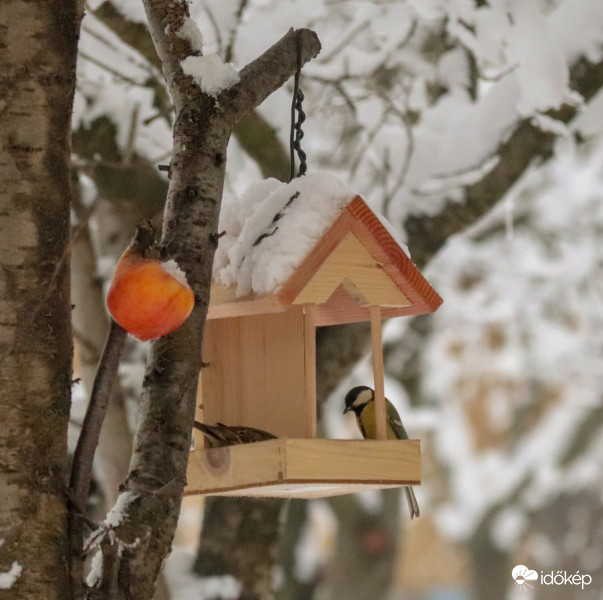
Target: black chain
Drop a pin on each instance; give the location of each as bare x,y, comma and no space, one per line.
296,125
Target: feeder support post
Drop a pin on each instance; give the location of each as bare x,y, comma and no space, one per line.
377,353
310,367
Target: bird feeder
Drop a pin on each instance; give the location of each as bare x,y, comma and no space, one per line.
261,355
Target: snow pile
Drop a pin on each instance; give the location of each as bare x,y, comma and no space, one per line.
272,228
96,569
189,31
171,267
210,73
114,518
7,578
120,511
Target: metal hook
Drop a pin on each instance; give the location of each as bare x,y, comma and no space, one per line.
296,133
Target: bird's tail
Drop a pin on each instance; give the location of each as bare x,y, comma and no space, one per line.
211,432
203,427
413,505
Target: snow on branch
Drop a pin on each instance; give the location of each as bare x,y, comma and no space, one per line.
205,116
178,40
428,233
8,578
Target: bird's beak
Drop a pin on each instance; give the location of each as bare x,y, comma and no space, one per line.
347,409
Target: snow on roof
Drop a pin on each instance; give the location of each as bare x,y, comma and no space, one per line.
272,227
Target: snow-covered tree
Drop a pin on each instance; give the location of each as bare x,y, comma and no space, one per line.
481,119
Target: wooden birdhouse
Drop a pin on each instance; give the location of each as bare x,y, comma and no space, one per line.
300,255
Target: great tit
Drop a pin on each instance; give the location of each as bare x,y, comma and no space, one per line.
361,400
221,435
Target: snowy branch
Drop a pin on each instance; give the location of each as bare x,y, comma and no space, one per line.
340,349
528,143
205,116
83,456
255,134
268,72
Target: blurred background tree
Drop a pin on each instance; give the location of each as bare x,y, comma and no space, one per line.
475,128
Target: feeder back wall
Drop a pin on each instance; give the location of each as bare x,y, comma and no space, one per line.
256,373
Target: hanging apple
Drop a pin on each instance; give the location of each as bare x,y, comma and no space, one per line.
148,297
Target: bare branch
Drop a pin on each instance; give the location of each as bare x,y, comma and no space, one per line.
133,33
254,132
232,38
268,72
217,32
81,471
129,149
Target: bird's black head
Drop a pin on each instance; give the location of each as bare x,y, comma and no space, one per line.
357,398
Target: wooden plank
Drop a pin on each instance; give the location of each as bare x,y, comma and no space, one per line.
352,460
342,308
224,294
304,468
224,303
313,261
379,242
378,375
198,437
256,376
229,467
310,368
308,491
273,363
362,275
222,380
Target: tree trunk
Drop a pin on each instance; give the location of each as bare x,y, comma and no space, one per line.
161,446
37,61
367,543
293,587
491,567
240,538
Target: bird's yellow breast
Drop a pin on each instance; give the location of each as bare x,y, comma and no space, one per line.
367,423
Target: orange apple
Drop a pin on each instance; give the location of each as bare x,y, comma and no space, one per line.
147,297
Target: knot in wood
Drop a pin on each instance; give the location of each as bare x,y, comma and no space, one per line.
217,459
189,117
191,192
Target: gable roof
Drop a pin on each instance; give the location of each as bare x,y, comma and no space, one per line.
356,263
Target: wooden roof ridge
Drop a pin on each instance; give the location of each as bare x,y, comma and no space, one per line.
417,288
358,218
